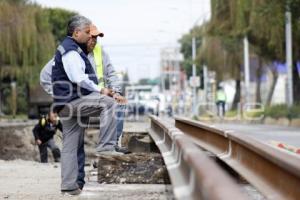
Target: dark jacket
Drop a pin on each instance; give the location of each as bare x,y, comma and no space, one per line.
63,89
45,130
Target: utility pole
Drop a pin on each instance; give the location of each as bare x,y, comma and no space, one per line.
163,68
205,81
247,69
289,55
194,75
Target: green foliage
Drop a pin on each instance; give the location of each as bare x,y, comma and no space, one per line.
58,18
22,95
283,110
294,112
6,92
277,111
186,49
26,40
22,99
231,113
28,37
262,21
254,113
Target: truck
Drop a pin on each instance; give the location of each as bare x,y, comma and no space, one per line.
39,102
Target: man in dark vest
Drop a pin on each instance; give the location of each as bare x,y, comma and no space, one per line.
77,97
111,82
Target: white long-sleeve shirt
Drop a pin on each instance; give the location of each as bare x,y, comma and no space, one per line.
74,67
110,77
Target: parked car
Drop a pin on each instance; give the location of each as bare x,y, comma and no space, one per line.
142,103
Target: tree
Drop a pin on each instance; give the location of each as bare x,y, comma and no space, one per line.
186,49
295,7
28,38
24,30
262,21
58,19
229,51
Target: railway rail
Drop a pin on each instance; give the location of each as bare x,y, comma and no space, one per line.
192,173
275,173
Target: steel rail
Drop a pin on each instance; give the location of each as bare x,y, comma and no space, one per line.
193,175
276,174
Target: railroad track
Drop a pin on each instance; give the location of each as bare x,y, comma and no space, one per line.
276,174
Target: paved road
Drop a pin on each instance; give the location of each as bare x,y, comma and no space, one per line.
266,133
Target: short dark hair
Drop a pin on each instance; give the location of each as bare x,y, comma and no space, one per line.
77,21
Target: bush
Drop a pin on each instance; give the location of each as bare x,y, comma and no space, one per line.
283,110
294,112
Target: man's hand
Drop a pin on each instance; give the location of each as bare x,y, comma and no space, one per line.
120,99
38,142
116,96
106,91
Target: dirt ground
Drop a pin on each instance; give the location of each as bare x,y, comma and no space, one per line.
21,174
23,178
29,180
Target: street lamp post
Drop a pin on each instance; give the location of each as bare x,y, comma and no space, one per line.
247,70
194,75
205,82
289,56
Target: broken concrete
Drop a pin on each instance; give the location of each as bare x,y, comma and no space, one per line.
93,191
142,168
144,165
139,142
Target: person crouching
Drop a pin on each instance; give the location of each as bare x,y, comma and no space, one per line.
43,133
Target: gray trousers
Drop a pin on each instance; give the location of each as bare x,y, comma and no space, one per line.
74,118
44,151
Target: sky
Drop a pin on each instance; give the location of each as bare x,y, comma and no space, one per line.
135,31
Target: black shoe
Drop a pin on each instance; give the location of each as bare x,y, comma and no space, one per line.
80,187
122,150
71,192
95,164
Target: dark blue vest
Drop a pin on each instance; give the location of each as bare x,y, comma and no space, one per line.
64,90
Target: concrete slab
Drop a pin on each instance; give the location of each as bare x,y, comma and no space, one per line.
94,191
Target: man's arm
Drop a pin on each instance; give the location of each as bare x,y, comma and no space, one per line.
45,77
74,67
112,79
36,131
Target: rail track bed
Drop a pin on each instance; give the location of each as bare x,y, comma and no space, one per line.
192,160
